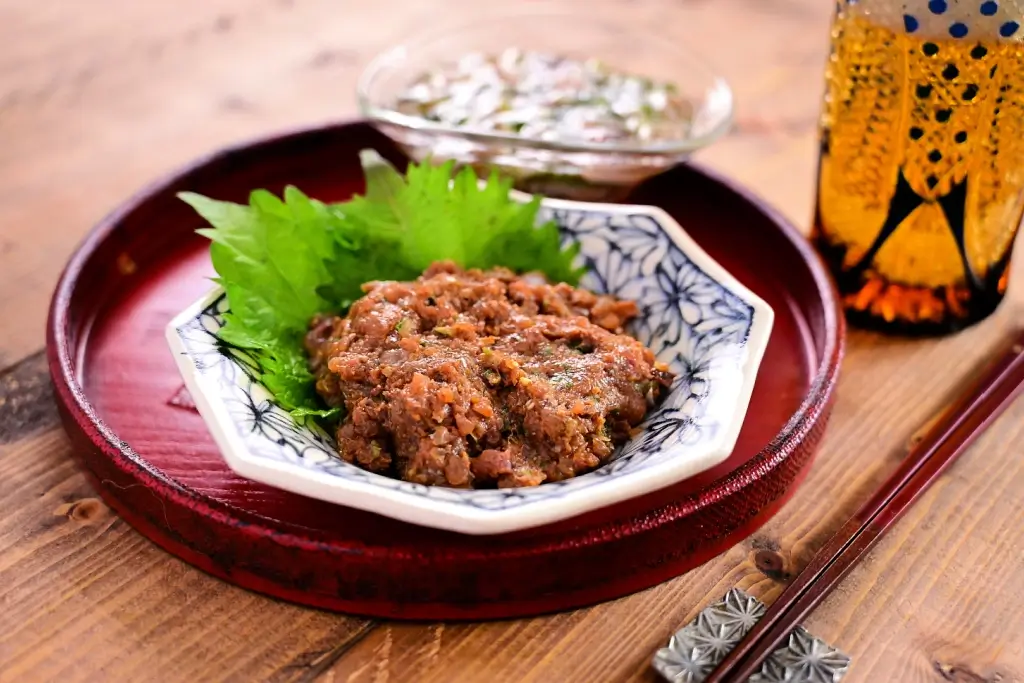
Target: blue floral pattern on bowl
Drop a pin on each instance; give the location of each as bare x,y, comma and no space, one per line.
708,328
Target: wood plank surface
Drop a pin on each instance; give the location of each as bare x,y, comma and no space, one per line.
99,97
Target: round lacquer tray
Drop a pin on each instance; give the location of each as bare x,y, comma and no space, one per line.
152,459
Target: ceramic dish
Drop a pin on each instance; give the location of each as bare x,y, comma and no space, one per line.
573,170
695,316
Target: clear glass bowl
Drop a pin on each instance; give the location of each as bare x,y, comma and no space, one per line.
590,171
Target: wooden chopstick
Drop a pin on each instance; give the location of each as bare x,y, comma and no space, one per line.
950,435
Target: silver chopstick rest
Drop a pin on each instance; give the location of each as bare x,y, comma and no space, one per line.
700,645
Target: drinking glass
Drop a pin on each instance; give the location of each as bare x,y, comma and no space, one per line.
921,171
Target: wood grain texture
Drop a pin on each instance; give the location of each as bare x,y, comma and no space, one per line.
98,97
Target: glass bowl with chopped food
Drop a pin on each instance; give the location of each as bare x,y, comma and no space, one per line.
567,105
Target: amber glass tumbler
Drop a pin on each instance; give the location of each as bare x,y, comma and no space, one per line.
921,173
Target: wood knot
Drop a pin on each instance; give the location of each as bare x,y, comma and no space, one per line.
764,543
26,399
958,673
771,564
84,511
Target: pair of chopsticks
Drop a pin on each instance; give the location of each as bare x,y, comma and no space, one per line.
953,431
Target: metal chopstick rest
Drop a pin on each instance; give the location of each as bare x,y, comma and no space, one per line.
700,645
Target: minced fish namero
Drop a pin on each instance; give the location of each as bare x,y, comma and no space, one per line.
483,379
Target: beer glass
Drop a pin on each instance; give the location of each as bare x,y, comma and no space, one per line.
921,167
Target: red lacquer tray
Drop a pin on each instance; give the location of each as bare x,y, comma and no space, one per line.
151,458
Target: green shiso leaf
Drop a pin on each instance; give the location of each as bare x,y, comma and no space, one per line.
283,261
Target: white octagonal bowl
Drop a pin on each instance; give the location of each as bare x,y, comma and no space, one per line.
711,330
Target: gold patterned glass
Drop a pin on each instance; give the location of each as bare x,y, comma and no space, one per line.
922,159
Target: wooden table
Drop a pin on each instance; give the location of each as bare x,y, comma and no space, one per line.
97,97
